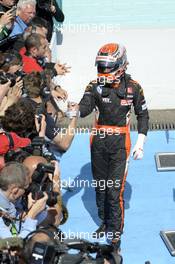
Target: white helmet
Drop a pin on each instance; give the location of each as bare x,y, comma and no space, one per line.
111,61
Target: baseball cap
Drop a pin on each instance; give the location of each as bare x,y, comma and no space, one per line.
11,141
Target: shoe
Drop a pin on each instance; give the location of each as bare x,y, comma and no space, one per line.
100,232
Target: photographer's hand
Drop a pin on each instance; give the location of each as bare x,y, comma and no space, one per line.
30,201
15,92
12,97
19,84
60,93
37,207
53,9
56,176
55,212
4,88
6,18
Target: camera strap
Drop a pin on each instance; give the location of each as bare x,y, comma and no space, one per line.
10,139
9,222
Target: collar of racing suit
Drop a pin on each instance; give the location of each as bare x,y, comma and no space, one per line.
121,89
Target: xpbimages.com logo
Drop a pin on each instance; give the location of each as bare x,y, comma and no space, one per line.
79,183
105,236
101,132
100,28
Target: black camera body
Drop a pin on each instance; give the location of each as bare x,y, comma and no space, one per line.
5,258
43,253
36,148
41,183
44,4
5,77
40,171
39,111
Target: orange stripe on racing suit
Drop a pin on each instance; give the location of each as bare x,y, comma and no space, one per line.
128,148
113,130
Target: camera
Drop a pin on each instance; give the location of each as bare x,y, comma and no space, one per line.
10,249
5,77
41,183
44,4
13,11
5,258
41,170
45,253
36,148
39,147
39,111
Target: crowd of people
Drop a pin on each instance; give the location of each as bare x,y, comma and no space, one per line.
31,138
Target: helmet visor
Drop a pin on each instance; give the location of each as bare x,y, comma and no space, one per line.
103,69
106,65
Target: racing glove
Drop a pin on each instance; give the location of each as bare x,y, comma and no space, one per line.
137,152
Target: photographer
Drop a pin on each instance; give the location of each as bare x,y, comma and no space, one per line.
39,25
36,25
15,148
38,169
11,63
19,118
26,10
45,246
8,142
11,83
10,80
40,88
42,235
6,23
49,10
14,180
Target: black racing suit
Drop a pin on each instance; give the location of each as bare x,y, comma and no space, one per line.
110,151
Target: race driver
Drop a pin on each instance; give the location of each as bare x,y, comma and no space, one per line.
113,94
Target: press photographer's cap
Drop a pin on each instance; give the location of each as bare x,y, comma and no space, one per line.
11,141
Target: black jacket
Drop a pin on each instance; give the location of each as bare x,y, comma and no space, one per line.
114,105
43,10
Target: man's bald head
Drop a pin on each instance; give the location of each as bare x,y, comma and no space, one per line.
32,162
